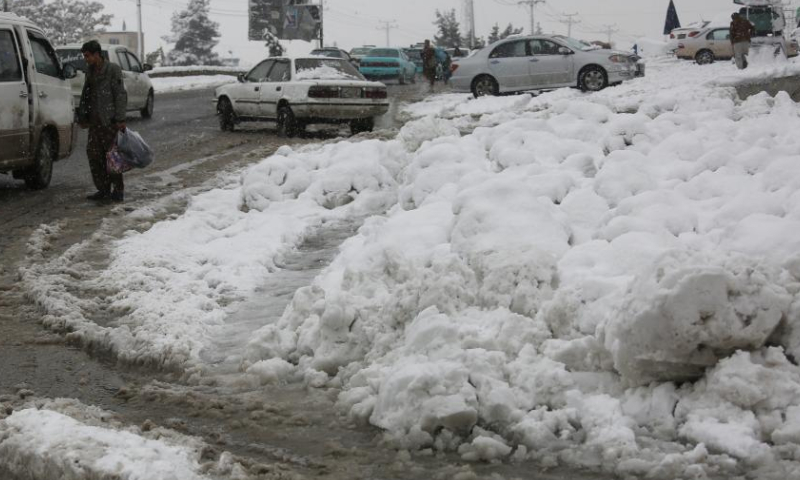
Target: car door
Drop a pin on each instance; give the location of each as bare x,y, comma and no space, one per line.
719,41
247,95
52,94
548,66
14,110
142,84
272,89
131,85
510,65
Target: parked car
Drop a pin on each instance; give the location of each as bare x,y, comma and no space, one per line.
141,96
360,52
36,114
707,46
302,91
381,63
689,31
542,62
415,55
333,52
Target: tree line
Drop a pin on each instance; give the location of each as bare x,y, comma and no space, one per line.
448,32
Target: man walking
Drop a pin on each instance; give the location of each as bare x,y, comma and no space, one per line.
429,62
741,33
102,110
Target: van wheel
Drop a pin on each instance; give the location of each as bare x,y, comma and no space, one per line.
287,122
362,125
147,110
402,78
484,86
227,119
39,176
704,57
593,79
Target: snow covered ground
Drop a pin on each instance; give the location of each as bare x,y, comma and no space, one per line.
176,84
604,280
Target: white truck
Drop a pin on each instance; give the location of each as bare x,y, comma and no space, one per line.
36,115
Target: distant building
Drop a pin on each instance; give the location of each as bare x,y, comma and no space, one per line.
127,39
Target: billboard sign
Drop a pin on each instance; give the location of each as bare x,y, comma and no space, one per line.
284,19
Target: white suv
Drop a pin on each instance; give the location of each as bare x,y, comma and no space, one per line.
36,114
141,95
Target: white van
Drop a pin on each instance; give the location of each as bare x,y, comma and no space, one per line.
140,90
36,115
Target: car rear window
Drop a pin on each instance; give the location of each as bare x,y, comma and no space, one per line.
360,51
325,69
327,53
384,52
414,54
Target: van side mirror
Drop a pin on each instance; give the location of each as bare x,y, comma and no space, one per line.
147,67
69,71
564,51
240,77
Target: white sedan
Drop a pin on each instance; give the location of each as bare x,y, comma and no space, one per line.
295,92
542,62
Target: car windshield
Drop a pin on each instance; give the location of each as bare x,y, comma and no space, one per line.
384,52
360,51
576,44
325,69
327,53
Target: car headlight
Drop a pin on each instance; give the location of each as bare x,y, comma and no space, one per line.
618,59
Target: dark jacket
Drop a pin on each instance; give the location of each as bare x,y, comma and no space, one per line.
104,100
741,30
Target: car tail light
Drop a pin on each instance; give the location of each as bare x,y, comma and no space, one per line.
323,92
693,34
375,92
671,35
453,68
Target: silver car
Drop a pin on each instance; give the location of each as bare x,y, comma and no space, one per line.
542,62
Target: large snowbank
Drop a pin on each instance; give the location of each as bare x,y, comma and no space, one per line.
604,280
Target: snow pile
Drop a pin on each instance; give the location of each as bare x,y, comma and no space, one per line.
65,440
602,280
323,72
547,283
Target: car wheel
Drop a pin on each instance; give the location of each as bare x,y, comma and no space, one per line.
39,176
704,57
287,123
593,79
402,78
362,125
484,86
147,110
414,77
227,119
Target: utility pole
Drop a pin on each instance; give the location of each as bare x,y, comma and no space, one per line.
610,30
532,5
5,5
469,19
140,36
321,23
569,22
388,26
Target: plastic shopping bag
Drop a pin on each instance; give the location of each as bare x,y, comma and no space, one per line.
133,149
115,162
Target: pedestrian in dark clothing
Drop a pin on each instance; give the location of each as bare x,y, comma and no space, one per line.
429,62
741,33
102,110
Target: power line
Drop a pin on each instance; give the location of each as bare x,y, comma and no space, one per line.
388,25
609,30
532,5
569,22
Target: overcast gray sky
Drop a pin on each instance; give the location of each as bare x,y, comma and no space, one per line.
351,23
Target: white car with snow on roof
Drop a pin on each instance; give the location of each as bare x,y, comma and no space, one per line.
542,62
295,92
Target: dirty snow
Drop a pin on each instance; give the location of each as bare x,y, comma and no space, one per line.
605,280
197,82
